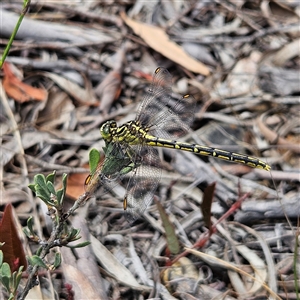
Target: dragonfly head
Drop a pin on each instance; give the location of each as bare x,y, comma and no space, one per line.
106,130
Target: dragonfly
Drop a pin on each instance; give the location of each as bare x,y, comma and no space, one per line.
116,164
160,120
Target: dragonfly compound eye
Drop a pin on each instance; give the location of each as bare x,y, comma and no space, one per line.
105,129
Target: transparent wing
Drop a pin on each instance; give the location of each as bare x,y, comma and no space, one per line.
97,180
157,95
162,115
116,164
143,184
175,119
140,163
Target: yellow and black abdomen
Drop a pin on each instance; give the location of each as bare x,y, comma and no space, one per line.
208,151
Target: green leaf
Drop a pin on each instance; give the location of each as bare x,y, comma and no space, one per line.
5,270
76,238
60,196
13,281
73,234
51,188
80,245
38,251
1,258
37,261
11,296
44,195
5,281
172,239
19,276
64,180
94,158
32,186
57,260
30,225
61,193
41,187
27,232
51,177
40,180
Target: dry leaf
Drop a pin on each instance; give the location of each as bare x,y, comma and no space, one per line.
157,39
12,249
241,81
75,184
114,267
82,285
273,137
286,53
18,90
109,90
81,95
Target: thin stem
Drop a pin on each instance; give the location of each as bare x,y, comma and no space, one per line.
8,46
